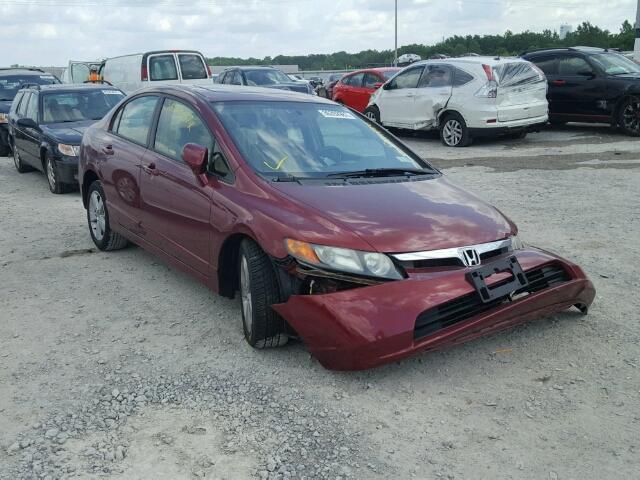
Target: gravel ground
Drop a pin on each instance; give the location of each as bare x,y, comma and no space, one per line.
113,365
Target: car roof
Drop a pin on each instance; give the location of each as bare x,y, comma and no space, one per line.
581,49
376,69
69,87
486,60
23,71
217,92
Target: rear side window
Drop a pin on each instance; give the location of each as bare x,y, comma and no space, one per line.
574,66
135,119
548,64
16,102
460,77
22,108
177,126
163,67
356,80
32,108
436,76
192,67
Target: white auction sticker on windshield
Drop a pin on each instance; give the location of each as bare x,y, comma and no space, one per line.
111,92
46,77
336,114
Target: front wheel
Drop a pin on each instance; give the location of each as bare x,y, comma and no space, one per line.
454,131
629,116
372,113
259,289
98,220
53,178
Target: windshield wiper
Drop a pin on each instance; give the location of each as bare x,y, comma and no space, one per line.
383,172
285,178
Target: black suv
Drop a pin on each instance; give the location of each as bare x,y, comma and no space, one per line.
12,80
591,85
46,124
267,77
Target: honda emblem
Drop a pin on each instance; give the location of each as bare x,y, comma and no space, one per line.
470,257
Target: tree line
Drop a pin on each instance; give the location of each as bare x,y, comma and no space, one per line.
503,45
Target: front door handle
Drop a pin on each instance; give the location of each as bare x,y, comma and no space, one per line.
150,168
107,149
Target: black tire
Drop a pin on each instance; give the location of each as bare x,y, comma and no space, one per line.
454,131
262,326
109,240
629,116
517,135
53,178
21,167
372,113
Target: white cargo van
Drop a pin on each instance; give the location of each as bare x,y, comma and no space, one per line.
132,72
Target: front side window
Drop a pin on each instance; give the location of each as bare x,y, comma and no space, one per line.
32,108
177,126
192,67
574,66
615,64
77,106
163,67
135,119
309,140
10,84
407,79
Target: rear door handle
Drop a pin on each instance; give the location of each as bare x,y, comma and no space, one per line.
107,149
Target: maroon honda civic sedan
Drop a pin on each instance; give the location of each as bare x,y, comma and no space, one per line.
332,230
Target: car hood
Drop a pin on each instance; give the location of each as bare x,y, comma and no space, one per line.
405,217
5,106
293,86
69,132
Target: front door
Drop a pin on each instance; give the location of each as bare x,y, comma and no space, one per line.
396,103
176,206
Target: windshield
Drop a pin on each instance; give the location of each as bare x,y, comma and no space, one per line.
78,106
10,84
615,64
265,77
310,139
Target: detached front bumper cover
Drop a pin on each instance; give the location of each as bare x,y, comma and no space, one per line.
369,326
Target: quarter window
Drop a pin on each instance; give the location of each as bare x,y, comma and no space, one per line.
135,119
163,67
460,77
192,67
177,126
407,79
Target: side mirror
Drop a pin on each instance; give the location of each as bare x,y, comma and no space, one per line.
27,123
377,85
196,157
387,86
586,73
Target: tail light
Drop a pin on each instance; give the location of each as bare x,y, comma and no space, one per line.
144,75
489,89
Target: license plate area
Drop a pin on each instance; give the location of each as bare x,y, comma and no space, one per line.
478,278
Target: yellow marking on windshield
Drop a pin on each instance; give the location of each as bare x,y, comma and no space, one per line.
278,165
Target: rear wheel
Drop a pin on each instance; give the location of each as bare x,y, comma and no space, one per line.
629,116
259,289
98,220
17,161
454,131
372,113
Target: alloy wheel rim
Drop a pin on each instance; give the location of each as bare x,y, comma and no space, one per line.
631,116
16,157
245,293
97,217
370,116
51,175
452,132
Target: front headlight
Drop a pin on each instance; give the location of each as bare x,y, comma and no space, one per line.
516,243
69,150
371,264
4,118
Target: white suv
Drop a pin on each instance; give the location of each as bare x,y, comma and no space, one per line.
464,98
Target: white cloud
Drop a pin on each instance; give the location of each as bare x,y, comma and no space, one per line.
41,33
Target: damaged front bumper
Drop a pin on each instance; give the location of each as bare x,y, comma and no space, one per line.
365,327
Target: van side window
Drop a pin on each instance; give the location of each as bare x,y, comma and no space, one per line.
177,126
192,67
163,67
135,119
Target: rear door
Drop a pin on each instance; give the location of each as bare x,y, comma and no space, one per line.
433,93
21,109
32,136
163,68
176,206
396,103
193,69
522,92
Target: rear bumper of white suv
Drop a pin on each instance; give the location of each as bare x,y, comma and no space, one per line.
498,128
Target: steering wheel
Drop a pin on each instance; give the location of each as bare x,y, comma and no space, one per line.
331,153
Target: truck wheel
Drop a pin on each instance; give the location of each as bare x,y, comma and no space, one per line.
629,116
259,289
98,220
454,131
372,113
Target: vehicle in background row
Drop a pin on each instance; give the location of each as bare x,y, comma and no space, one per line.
11,81
331,229
591,85
80,72
297,78
316,81
46,124
164,67
464,98
354,90
326,90
268,77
